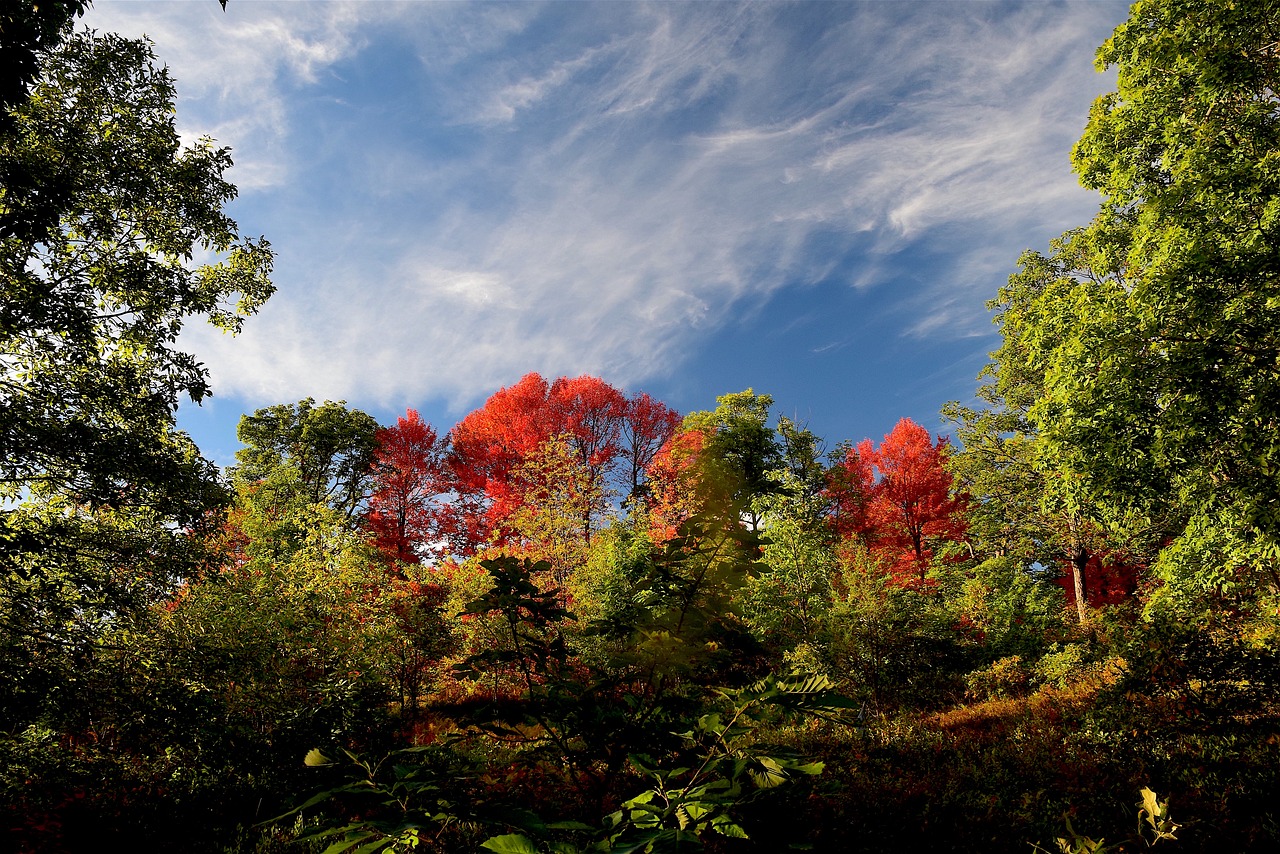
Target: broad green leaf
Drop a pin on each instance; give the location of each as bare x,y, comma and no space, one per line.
511,843
315,758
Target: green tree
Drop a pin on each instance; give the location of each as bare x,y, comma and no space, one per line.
740,453
27,29
93,304
562,500
97,484
1165,388
787,601
293,628
329,446
102,213
1027,506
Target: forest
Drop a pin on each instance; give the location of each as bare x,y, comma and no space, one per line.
578,620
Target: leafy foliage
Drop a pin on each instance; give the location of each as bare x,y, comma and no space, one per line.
330,448
580,623
896,497
406,513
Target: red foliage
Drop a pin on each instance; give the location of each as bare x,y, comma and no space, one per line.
1107,581
646,428
897,498
489,444
596,420
588,412
849,483
406,512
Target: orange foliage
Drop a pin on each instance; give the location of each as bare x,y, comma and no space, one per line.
674,484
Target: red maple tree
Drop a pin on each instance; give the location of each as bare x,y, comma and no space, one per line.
407,510
646,428
492,446
588,413
897,499
490,443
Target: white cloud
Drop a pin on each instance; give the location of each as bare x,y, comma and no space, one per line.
594,187
238,69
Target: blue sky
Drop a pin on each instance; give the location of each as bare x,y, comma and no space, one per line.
813,199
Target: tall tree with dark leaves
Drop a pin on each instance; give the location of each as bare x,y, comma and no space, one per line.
1163,371
1025,505
96,483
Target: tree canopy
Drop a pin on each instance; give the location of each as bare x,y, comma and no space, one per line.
1156,333
95,299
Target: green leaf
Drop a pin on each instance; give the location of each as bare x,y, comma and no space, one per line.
510,843
347,843
642,798
316,759
723,826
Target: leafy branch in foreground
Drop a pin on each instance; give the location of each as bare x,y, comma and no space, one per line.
1154,825
721,770
395,803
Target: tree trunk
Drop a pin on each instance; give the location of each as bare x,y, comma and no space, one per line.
1079,561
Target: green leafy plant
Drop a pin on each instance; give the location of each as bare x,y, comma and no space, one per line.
703,788
1154,825
397,801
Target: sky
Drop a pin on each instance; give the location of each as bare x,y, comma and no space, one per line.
811,199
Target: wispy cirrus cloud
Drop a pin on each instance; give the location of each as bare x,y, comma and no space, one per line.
461,193
239,71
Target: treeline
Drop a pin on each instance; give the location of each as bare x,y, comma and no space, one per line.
580,621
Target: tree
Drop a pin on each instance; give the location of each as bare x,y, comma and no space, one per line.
1167,387
289,637
787,601
674,484
489,443
646,427
562,498
588,412
93,304
739,454
33,196
591,417
330,446
27,30
97,482
908,507
409,482
1025,504
103,211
